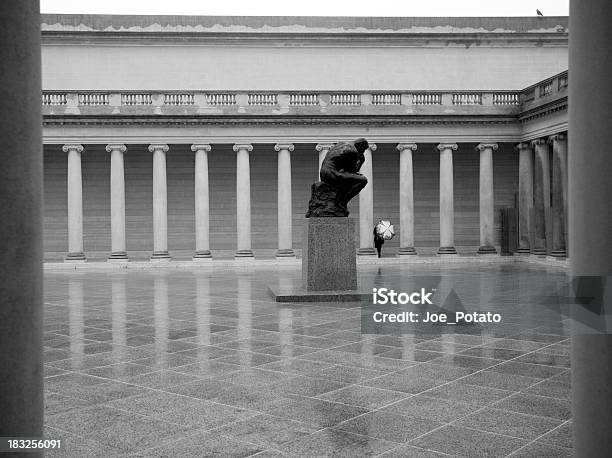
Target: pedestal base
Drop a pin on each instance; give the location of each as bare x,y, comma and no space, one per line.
443,250
558,253
118,256
539,251
523,251
329,262
244,254
406,251
287,253
367,252
486,249
160,256
202,254
301,295
75,257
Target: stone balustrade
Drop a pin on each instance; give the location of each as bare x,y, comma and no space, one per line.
289,103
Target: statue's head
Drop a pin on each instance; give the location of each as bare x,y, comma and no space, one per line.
361,144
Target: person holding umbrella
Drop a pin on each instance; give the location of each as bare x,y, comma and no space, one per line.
383,230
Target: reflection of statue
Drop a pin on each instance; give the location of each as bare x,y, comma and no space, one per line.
340,179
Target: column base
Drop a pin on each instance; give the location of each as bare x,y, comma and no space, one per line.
444,250
523,251
539,252
368,251
75,257
202,255
118,256
285,253
163,256
406,251
244,254
558,253
486,249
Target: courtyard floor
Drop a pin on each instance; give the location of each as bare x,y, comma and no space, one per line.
202,362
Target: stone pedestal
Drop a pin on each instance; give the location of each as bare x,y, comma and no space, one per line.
329,262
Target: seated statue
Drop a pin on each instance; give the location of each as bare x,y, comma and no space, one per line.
340,179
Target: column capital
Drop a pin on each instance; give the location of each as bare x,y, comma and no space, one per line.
158,147
372,147
284,146
538,141
72,147
322,146
403,146
116,147
243,146
201,147
523,145
560,137
445,146
484,146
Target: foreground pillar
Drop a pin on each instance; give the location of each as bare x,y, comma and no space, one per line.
525,197
559,195
366,207
487,199
590,216
21,385
243,201
406,199
160,203
118,245
285,212
541,195
202,203
323,149
447,209
75,203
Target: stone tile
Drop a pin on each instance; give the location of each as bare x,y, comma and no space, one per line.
163,379
202,389
121,371
388,426
266,431
57,403
546,359
84,421
537,405
255,377
315,412
404,382
202,444
508,423
499,380
411,354
249,359
307,386
409,451
208,369
348,374
364,396
330,442
496,353
296,366
527,370
469,362
454,440
540,449
560,436
434,409
552,388
470,394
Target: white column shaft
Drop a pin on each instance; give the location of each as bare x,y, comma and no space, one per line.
285,227
243,200
202,202
75,202
487,200
160,203
366,206
447,210
118,244
406,199
525,196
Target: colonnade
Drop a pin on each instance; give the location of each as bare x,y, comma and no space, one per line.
534,199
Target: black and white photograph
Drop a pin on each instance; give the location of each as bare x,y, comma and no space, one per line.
305,229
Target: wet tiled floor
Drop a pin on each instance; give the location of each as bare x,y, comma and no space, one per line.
201,362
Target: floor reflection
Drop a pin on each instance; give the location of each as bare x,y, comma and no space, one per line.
196,362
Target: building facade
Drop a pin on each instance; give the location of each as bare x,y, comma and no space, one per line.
181,137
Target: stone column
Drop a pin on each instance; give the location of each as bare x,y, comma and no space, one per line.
590,218
202,203
117,190
487,199
541,195
447,209
21,279
559,194
323,149
366,207
285,212
75,204
406,199
160,203
525,196
243,200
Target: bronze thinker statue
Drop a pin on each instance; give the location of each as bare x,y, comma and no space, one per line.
340,179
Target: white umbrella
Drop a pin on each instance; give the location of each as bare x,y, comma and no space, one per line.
385,229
